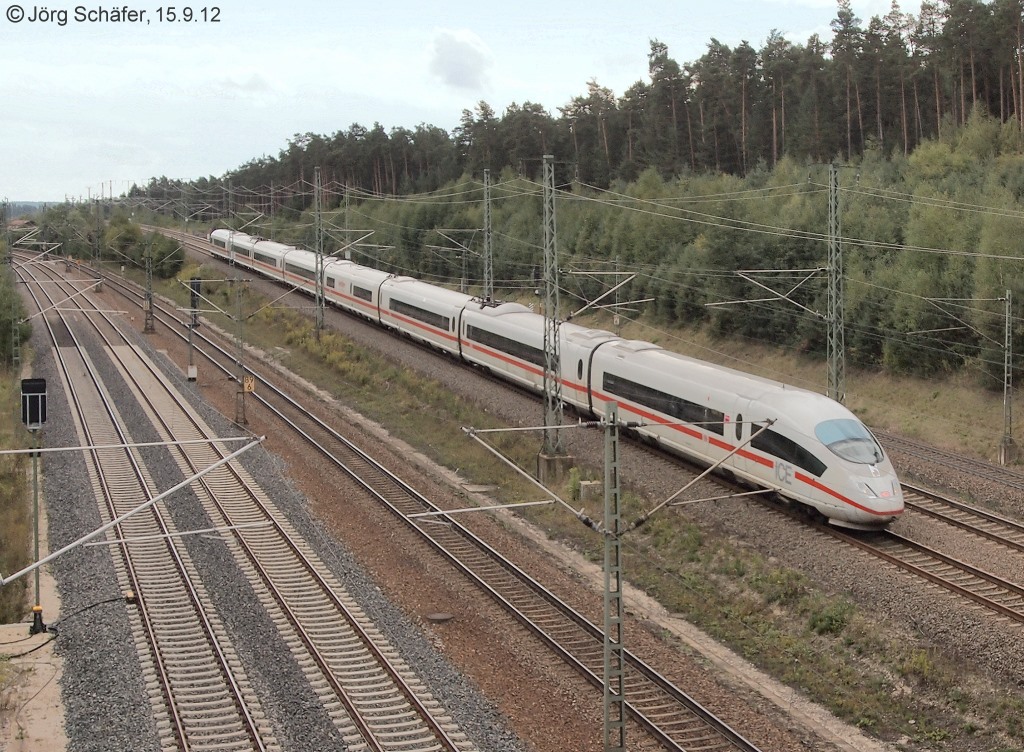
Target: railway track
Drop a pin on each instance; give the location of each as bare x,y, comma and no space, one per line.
997,596
376,701
980,522
1002,597
1006,476
670,716
197,688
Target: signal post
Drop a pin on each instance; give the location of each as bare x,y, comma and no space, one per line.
33,415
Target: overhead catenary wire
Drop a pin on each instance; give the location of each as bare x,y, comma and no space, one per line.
671,209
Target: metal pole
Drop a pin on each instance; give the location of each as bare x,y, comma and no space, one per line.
348,249
9,253
836,347
1009,365
319,230
150,324
271,210
488,253
614,664
191,373
194,290
37,610
1006,446
552,365
96,237
240,401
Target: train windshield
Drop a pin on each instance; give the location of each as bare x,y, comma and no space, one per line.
850,440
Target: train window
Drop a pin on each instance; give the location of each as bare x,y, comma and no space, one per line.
299,271
506,345
265,258
579,370
777,445
362,293
849,439
669,404
739,426
420,314
331,282
713,421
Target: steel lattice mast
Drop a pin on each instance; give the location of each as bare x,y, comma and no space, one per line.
614,610
836,345
318,224
552,356
1007,448
488,257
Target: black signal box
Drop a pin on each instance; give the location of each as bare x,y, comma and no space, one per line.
195,289
33,402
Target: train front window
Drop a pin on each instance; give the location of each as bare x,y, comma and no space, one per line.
850,440
787,450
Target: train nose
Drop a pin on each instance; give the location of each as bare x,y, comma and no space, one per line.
885,493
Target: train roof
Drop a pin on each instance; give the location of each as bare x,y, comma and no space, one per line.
365,275
306,258
586,335
498,309
518,316
272,246
427,291
256,242
791,400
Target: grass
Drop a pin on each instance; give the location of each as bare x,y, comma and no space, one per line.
15,520
873,675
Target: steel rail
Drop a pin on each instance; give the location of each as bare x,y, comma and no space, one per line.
316,578
430,531
131,567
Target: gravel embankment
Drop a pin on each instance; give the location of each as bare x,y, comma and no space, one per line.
485,645
106,706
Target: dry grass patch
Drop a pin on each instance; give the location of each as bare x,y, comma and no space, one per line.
775,617
15,522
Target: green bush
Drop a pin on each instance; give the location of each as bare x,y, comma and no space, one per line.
832,618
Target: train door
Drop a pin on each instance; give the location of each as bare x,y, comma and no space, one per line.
737,431
575,360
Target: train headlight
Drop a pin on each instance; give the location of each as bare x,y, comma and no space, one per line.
887,492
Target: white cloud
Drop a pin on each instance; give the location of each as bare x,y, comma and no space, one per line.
460,59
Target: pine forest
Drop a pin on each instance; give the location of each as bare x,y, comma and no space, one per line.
709,180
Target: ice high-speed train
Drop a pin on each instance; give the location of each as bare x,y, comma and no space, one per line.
816,452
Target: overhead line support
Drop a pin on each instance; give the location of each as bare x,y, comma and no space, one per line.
488,253
836,346
552,354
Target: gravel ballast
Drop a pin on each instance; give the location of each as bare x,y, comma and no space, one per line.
105,700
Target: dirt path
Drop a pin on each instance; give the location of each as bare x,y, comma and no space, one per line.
31,711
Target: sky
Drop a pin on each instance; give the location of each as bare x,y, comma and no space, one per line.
94,97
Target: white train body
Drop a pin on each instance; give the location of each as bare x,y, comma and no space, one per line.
425,312
357,288
710,412
816,452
